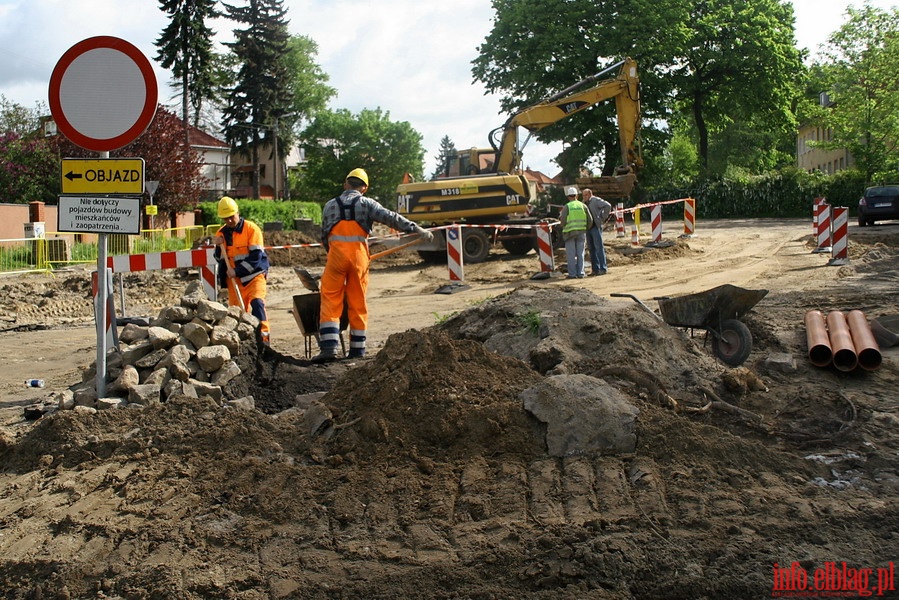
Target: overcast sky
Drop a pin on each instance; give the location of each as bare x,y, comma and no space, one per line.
411,58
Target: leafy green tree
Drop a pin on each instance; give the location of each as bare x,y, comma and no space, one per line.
310,90
679,163
446,152
337,142
310,93
18,119
29,169
735,65
264,90
863,79
29,166
185,47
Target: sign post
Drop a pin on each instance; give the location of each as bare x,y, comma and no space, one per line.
103,95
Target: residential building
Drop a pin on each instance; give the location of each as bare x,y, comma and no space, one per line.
269,186
215,163
542,182
812,158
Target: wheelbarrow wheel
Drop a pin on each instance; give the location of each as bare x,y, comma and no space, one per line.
733,343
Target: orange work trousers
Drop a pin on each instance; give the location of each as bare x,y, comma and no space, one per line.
345,279
253,295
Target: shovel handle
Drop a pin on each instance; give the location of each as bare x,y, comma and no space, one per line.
396,248
638,301
231,282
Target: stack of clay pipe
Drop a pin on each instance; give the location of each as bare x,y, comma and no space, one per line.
846,341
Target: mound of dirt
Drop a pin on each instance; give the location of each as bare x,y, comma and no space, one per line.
438,397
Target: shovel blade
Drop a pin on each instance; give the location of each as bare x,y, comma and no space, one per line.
309,281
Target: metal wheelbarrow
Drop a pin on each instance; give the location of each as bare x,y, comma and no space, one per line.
717,311
306,309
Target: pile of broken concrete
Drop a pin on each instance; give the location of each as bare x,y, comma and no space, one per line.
188,349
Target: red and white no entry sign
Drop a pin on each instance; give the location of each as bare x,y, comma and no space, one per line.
103,93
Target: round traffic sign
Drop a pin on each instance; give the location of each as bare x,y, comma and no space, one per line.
103,93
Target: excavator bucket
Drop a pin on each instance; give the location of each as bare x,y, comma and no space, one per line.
615,186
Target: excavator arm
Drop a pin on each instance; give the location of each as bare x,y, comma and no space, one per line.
624,88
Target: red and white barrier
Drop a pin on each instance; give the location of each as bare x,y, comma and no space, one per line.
130,263
545,248
815,203
635,235
619,220
112,335
689,217
454,253
822,235
656,217
840,249
200,257
208,277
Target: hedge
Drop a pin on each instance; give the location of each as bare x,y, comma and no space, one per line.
266,211
789,193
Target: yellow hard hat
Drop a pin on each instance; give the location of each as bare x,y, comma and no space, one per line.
359,174
227,207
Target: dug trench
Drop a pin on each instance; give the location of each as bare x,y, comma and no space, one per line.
541,441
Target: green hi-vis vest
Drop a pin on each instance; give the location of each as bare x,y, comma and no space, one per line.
577,217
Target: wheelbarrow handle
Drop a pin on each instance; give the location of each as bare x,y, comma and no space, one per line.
638,301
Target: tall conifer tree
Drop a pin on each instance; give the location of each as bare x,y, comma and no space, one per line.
263,89
185,47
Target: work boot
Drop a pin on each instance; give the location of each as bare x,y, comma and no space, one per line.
355,353
325,356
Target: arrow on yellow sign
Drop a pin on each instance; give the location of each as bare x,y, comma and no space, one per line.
102,176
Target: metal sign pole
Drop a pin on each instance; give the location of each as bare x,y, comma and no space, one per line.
102,291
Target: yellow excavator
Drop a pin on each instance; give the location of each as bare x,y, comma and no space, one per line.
486,186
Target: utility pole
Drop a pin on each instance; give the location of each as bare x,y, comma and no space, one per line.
277,174
277,160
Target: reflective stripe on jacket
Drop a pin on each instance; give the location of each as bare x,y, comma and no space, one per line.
352,205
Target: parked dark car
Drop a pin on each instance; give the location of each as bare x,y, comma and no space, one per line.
878,204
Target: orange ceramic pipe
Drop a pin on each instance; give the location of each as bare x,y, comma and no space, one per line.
866,347
844,356
819,351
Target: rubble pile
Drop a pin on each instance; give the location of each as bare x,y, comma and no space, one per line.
188,349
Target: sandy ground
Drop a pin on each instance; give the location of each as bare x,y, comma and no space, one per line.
429,479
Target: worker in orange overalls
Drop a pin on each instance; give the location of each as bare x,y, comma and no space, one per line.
243,267
346,224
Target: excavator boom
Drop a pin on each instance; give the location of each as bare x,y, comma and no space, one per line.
624,88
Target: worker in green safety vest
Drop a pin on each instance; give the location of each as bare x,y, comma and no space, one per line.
576,220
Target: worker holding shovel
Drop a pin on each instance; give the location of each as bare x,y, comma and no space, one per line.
243,263
346,224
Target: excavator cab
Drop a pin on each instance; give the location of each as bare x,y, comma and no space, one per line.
469,162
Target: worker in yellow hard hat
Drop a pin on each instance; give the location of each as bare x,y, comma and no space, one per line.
243,263
346,224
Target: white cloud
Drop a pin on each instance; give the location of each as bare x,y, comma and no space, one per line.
408,57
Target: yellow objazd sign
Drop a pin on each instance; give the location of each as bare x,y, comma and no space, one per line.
103,176
151,209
